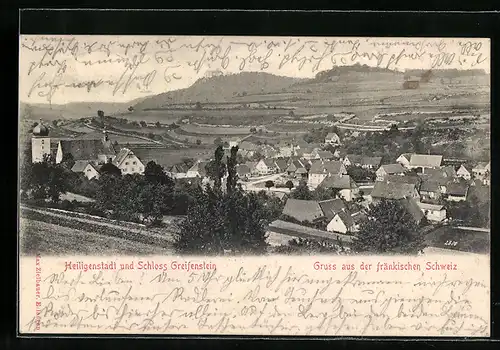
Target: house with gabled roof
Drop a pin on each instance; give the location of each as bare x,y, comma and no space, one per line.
480,170
404,159
362,161
464,172
433,212
332,211
177,171
89,169
446,172
323,155
321,169
281,165
332,139
347,187
384,190
389,169
253,169
303,210
266,166
128,162
430,189
425,161
198,170
407,178
342,222
243,171
297,167
457,191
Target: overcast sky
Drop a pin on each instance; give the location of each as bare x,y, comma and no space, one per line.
61,69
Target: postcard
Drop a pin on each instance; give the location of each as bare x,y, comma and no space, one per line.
264,186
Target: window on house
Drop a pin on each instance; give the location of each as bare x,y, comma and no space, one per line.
133,169
43,141
126,163
134,163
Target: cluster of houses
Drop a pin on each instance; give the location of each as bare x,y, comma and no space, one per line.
423,178
421,183
89,152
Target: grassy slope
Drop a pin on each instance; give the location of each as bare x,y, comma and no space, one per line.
51,239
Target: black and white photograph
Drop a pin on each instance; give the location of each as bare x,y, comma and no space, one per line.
134,145
254,185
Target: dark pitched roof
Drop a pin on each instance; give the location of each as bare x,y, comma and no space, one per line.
200,167
281,164
342,182
373,161
457,188
413,180
84,149
443,172
269,162
303,210
79,166
357,159
346,219
331,207
386,190
325,154
327,167
177,168
242,169
406,155
429,186
393,168
120,157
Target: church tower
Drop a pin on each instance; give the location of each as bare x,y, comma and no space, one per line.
40,142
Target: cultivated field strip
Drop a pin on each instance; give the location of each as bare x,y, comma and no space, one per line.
102,226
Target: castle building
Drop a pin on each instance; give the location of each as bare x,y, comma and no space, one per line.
98,151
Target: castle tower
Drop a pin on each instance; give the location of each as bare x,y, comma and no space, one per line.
40,142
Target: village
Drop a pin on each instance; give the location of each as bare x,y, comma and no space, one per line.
325,193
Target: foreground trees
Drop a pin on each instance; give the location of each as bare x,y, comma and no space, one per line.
43,180
224,220
135,197
390,228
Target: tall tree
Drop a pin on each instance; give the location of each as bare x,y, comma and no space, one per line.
216,169
232,174
389,228
220,221
302,192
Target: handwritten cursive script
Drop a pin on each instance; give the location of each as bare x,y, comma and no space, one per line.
245,298
122,66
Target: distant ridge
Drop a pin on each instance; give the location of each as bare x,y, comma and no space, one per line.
446,73
220,88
